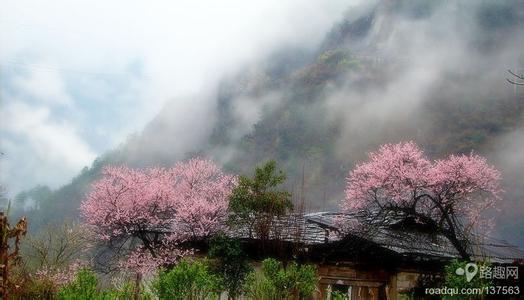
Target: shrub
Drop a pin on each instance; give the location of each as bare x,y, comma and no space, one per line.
229,263
36,289
260,287
127,290
338,295
189,280
276,282
452,280
83,287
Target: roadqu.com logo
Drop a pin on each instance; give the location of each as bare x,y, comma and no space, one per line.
470,270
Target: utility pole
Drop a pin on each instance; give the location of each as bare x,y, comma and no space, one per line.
6,259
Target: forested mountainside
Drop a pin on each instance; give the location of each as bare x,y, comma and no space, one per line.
429,71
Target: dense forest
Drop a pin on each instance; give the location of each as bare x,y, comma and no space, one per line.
429,71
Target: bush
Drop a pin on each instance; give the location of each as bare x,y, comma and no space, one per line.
83,287
338,295
276,282
189,280
36,289
260,287
452,280
127,291
229,263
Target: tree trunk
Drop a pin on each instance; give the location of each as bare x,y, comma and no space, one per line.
459,246
138,279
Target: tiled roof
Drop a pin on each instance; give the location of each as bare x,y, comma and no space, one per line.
322,227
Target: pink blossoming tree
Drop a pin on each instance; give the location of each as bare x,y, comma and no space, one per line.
446,196
201,197
148,213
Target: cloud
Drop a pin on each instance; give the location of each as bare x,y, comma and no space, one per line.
93,72
423,54
443,86
39,150
43,86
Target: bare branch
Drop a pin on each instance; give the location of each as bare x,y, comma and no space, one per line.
516,75
520,77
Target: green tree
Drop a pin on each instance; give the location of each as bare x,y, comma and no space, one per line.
256,201
189,280
230,263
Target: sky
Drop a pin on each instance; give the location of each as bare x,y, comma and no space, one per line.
78,77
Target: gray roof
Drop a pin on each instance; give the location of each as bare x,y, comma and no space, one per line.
323,227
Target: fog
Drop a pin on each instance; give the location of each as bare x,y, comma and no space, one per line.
78,78
450,57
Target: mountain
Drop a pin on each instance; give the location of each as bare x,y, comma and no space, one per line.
429,71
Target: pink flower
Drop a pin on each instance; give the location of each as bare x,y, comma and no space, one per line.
400,176
159,207
60,276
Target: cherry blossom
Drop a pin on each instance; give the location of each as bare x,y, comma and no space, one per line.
158,207
60,276
448,195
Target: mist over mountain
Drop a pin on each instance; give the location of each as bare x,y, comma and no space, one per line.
429,71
